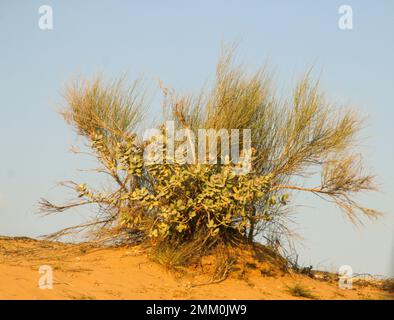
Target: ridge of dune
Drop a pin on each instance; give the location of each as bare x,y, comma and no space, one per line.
84,272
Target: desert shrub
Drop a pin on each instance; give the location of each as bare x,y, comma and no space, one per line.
215,201
299,290
388,285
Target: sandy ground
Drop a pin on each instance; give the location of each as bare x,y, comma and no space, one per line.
127,273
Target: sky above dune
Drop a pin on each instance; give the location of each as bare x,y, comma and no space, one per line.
179,42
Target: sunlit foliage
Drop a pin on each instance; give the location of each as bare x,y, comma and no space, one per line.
291,141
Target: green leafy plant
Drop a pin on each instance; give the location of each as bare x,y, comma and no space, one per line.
208,202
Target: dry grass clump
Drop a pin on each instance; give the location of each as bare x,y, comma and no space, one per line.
216,263
388,285
177,256
299,290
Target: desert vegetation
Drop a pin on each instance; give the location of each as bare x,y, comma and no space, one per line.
185,210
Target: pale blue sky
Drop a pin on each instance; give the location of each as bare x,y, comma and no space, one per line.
179,42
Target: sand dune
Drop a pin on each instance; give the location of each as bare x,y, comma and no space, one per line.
83,272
